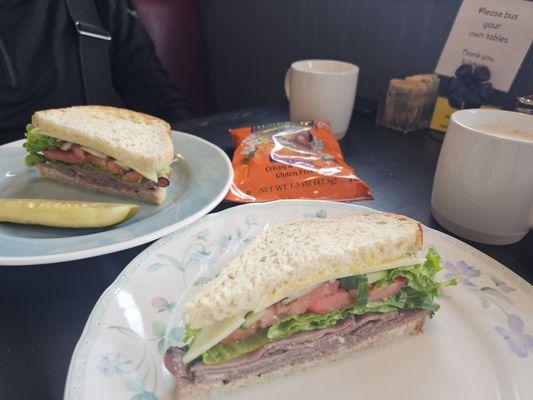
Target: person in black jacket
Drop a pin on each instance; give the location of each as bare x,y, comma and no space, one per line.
41,63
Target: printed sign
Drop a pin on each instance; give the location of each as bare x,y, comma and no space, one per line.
493,33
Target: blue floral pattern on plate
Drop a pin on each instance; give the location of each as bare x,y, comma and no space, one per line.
519,342
139,316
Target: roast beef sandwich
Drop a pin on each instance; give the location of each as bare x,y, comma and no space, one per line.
303,293
105,149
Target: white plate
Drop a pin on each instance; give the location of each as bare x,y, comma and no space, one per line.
478,346
201,179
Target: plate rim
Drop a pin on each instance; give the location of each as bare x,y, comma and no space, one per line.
127,244
130,268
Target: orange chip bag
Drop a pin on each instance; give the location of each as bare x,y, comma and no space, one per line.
291,160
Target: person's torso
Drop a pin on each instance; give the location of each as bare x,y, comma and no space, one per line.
39,62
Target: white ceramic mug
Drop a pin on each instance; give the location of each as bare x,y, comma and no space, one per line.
322,89
483,187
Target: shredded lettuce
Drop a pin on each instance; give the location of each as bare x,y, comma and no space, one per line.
418,293
36,143
223,352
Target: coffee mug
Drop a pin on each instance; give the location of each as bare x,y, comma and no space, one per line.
483,187
324,90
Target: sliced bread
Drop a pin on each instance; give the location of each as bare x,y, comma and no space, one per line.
295,254
140,141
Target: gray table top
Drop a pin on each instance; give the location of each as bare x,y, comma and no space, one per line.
43,308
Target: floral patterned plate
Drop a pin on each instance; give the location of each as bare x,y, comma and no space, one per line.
479,345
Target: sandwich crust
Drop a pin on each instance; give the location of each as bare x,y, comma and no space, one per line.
140,141
295,254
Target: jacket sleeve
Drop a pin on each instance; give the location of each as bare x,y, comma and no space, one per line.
138,75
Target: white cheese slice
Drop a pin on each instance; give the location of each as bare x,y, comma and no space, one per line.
212,335
405,261
375,276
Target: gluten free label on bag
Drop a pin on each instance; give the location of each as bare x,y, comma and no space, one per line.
291,160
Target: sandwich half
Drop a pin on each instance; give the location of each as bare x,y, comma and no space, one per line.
105,149
303,293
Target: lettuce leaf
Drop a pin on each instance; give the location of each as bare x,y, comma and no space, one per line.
32,159
36,143
222,352
420,277
305,322
190,334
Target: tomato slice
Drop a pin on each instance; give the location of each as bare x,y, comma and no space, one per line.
269,317
77,155
60,155
295,307
239,334
331,302
79,152
132,176
101,162
380,293
113,167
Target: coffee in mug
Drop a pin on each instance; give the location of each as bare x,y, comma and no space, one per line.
503,131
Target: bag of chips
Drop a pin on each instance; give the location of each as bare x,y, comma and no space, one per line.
291,160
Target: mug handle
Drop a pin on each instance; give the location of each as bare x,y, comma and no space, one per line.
288,84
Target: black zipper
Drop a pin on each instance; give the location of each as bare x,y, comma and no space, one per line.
5,61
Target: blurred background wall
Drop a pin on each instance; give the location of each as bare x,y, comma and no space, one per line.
249,44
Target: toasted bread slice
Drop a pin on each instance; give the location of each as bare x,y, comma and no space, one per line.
140,141
298,254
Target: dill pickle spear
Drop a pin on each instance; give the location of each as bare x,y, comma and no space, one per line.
65,213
